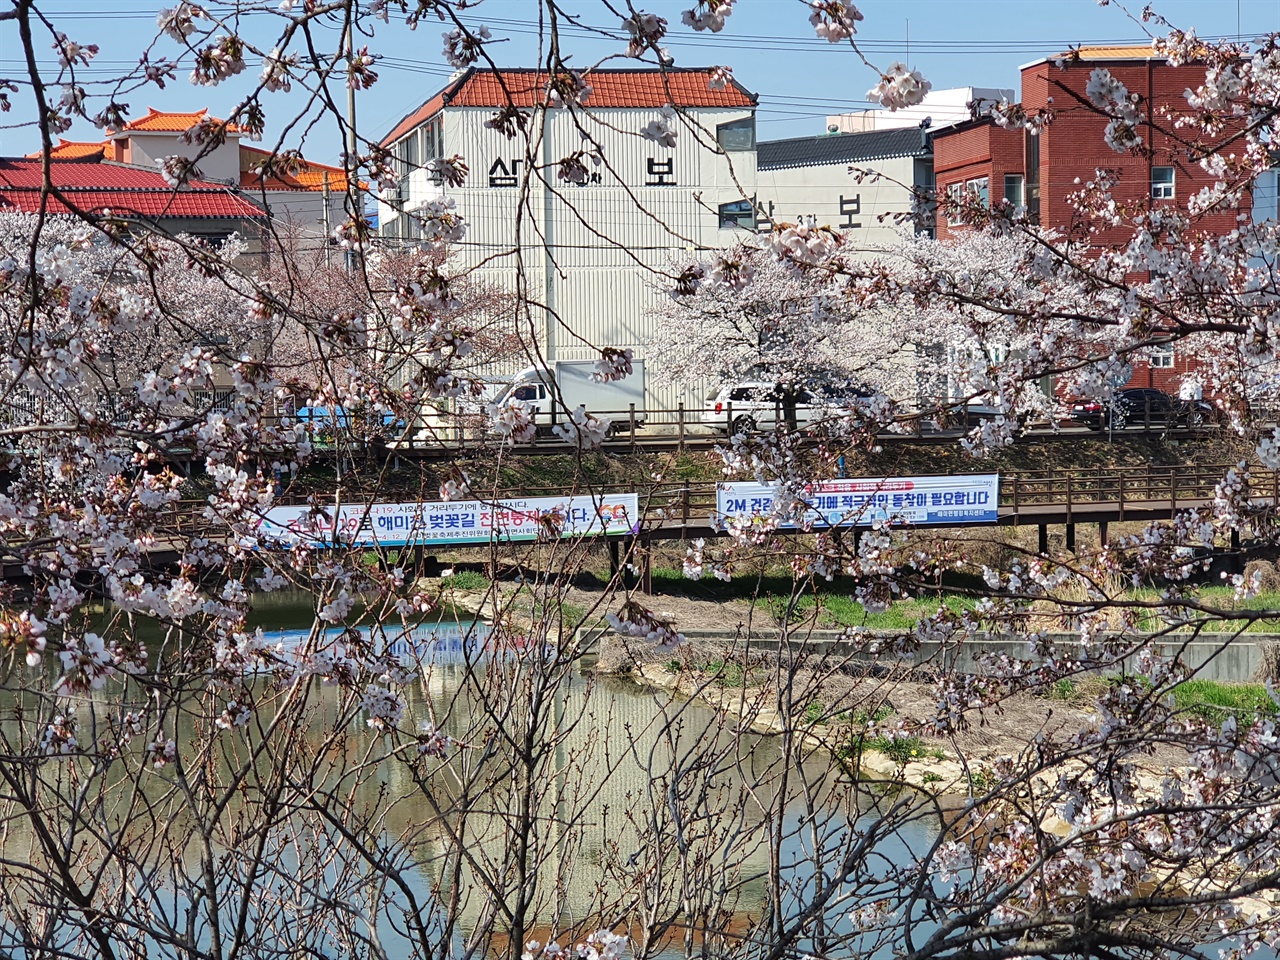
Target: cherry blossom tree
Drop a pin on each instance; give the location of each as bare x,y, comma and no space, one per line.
178,783
753,316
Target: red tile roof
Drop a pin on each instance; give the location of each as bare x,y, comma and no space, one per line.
157,121
683,87
122,189
72,150
310,177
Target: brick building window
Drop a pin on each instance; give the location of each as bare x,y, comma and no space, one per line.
982,187
1013,193
1162,356
1031,164
954,193
737,214
1162,183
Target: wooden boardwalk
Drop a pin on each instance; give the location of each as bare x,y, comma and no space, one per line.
674,511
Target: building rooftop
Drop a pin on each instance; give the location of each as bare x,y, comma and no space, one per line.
73,150
524,87
1101,53
94,188
158,121
843,148
311,176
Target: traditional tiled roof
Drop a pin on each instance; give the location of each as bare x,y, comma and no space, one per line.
637,88
843,148
157,121
73,150
123,189
311,177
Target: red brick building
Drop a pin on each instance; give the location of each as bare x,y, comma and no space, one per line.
1040,172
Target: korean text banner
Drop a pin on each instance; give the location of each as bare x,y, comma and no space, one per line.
458,521
835,503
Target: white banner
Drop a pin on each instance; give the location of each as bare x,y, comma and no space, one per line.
970,498
453,522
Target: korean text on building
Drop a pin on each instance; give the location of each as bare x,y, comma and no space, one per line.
917,500
453,522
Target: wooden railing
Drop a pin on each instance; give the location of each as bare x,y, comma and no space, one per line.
1023,495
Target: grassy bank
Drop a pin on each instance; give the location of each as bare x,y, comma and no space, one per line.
1211,700
828,605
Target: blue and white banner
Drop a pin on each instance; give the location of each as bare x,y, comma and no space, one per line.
970,498
453,522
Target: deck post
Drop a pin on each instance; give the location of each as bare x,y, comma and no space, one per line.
1043,545
628,561
646,569
1071,537
681,412
1102,532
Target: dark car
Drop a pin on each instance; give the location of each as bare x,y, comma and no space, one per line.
1140,407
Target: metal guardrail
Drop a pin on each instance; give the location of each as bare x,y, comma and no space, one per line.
692,425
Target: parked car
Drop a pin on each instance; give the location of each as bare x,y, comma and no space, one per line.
622,400
751,405
962,416
1140,407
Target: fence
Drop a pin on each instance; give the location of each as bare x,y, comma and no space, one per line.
1024,496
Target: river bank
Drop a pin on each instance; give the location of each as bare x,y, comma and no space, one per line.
829,710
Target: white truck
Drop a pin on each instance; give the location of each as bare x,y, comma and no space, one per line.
622,401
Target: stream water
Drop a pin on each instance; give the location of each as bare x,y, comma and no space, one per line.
643,733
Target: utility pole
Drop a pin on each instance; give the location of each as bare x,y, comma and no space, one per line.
324,219
354,203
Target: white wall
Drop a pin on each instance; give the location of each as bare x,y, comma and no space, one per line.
222,163
593,255
304,209
832,197
942,107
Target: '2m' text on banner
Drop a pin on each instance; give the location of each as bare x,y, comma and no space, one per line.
847,503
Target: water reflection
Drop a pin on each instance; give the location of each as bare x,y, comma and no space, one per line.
625,764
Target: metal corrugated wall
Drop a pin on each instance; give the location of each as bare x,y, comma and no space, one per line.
594,254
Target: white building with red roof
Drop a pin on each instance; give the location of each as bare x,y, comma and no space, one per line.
304,195
593,252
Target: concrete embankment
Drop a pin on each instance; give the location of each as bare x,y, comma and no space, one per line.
1225,657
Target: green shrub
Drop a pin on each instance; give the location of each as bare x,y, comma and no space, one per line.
1214,701
466,580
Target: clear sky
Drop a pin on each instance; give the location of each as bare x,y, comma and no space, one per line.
769,43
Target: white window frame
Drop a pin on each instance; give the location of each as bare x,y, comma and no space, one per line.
980,186
733,221
1021,182
1161,356
1161,189
955,192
